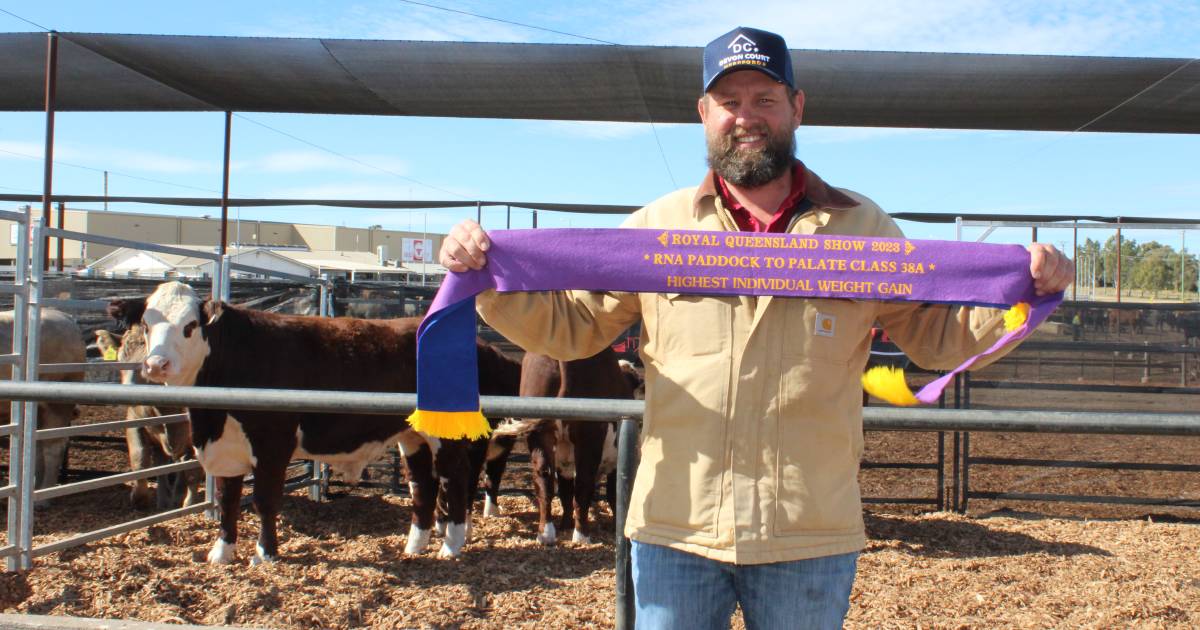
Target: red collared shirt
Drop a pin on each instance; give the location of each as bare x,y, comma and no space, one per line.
779,221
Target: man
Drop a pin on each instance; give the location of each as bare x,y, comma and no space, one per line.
747,488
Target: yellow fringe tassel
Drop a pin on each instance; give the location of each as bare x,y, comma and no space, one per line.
1015,317
887,383
450,425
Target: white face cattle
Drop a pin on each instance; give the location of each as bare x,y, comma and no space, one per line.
175,348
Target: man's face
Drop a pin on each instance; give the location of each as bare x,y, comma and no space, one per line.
749,126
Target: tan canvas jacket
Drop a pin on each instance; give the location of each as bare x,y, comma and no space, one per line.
753,429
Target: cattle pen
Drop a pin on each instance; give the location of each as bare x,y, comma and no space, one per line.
959,422
185,79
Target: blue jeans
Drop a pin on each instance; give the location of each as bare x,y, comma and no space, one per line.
676,589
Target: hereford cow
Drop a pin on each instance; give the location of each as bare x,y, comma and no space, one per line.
60,341
504,379
578,452
157,444
210,343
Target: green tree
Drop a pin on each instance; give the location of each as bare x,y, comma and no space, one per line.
1152,270
1109,258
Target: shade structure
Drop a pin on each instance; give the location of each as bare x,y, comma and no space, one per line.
115,72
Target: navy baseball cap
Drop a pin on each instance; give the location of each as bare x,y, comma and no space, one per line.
746,48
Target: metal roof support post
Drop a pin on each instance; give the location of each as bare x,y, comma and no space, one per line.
216,279
479,212
1118,278
225,185
219,291
48,160
323,305
29,419
226,277
1075,256
508,218
62,218
627,461
1092,269
1182,260
535,219
16,440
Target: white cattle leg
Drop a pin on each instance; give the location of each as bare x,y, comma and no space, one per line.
418,540
260,556
453,466
548,536
456,538
418,459
222,552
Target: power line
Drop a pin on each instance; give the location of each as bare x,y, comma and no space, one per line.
1042,147
349,158
25,20
510,22
111,172
22,190
649,119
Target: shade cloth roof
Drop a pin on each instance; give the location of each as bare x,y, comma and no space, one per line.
113,72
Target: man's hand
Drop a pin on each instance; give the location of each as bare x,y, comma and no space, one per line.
465,247
1052,271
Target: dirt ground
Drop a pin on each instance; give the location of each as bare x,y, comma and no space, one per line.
1004,564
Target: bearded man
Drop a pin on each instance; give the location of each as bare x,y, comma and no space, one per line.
747,488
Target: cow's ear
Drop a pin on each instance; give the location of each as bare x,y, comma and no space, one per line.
212,310
127,311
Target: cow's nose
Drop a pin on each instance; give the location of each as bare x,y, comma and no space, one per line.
155,366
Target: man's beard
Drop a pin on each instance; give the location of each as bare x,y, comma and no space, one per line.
751,169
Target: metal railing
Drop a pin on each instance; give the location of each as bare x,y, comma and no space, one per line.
16,445
1123,423
874,418
26,290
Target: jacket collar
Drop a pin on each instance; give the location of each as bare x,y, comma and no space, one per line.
822,195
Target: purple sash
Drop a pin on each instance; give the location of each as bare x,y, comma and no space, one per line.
707,263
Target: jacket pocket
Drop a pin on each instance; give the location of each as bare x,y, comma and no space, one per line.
684,459
828,330
692,325
819,445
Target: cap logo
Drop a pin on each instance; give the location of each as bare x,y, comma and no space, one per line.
745,53
741,44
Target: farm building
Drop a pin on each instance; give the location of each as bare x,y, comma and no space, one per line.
350,253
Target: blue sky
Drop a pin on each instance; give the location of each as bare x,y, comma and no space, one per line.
443,158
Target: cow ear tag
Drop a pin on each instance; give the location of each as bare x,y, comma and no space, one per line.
888,384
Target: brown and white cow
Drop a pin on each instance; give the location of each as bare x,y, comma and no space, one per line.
210,343
157,444
577,452
60,341
504,379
